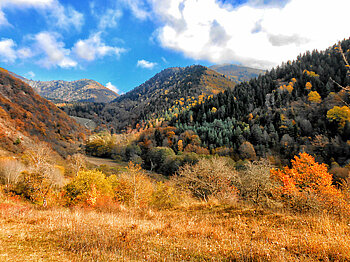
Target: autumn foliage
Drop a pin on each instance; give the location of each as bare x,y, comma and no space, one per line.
340,115
307,181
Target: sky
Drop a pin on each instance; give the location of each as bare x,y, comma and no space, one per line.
123,43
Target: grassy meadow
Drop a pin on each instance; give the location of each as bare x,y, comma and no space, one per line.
197,232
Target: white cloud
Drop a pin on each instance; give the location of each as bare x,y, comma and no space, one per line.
65,17
112,87
164,60
30,74
53,50
138,8
26,2
250,34
93,48
20,4
56,14
146,64
24,53
3,20
7,51
109,19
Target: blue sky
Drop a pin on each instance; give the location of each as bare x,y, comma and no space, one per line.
122,43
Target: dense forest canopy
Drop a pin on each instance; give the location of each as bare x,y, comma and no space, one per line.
298,106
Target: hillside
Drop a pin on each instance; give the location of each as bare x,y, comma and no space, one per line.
237,73
25,118
168,93
298,106
74,91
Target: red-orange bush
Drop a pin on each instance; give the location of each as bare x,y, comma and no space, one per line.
308,183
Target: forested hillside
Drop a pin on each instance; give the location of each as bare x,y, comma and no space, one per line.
298,106
168,93
25,116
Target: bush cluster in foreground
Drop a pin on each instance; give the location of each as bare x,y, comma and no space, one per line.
304,186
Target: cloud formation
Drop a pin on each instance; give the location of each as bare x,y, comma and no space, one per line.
112,87
9,53
249,34
7,50
30,74
109,19
93,48
138,8
65,17
146,64
57,15
54,51
50,51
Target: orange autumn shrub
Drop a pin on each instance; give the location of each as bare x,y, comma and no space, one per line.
308,185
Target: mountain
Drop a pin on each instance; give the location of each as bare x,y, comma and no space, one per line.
168,93
237,73
74,91
26,118
298,106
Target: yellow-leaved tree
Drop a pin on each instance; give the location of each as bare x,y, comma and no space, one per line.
339,115
308,86
314,97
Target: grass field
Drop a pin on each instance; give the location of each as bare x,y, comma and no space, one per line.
200,232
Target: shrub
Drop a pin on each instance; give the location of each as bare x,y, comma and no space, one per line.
87,187
133,187
157,156
174,162
247,151
208,178
340,174
165,196
101,144
132,151
33,186
307,185
255,182
40,182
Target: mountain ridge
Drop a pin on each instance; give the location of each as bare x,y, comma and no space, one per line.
236,72
82,90
172,89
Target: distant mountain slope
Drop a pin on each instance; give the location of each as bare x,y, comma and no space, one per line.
25,117
237,73
74,91
168,92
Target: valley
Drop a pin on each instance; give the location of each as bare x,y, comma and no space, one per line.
193,165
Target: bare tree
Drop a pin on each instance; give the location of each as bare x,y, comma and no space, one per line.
77,162
42,175
10,170
256,185
208,178
40,158
347,65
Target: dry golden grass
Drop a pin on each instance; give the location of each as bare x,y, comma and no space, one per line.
200,232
